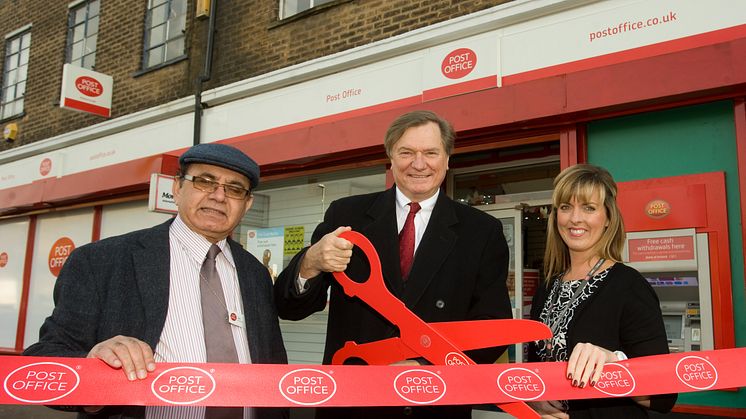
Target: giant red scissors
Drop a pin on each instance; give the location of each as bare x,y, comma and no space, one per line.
440,343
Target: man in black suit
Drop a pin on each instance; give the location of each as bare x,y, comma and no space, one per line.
135,299
460,260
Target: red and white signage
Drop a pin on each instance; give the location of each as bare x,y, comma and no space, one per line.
183,385
521,384
41,382
58,254
459,63
657,249
307,386
79,381
419,386
459,67
616,380
3,259
161,197
86,90
45,166
697,372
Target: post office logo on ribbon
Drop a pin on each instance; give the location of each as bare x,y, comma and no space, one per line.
616,380
307,386
696,372
521,384
183,385
455,358
41,382
419,386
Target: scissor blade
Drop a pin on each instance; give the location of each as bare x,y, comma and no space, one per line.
380,352
519,410
478,334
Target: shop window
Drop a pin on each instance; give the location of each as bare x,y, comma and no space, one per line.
82,34
299,205
280,223
15,70
12,258
493,185
293,7
165,27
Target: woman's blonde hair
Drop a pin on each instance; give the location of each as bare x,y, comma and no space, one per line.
581,182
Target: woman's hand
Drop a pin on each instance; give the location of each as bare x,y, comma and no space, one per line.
549,409
586,364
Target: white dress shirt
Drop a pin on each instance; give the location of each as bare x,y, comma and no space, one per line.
421,219
183,335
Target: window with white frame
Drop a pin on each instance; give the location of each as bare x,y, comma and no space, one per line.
281,221
82,33
15,69
293,7
165,25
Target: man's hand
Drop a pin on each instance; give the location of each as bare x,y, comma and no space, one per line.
133,356
330,254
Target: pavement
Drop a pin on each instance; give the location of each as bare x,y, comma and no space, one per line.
33,412
41,412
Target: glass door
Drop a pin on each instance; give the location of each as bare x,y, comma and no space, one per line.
511,220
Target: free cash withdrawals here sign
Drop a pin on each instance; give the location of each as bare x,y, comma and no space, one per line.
86,90
661,249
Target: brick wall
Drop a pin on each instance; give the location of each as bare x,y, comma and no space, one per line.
250,41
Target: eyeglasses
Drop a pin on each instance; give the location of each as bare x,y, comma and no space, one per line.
207,185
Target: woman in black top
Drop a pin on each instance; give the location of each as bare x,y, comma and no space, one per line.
599,310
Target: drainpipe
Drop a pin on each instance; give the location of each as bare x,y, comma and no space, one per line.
205,76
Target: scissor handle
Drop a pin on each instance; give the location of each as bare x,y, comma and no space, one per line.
416,334
374,285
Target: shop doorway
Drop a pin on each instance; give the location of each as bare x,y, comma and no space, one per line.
524,226
518,193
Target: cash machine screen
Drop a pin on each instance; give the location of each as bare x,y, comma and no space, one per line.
674,324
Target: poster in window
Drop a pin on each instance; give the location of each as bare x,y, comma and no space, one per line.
266,244
294,236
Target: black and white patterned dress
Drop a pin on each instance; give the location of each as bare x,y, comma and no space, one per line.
553,308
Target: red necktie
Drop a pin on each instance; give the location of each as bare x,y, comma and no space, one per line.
406,241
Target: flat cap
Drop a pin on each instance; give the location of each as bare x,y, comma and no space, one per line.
224,156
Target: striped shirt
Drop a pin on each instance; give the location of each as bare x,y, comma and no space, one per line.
183,335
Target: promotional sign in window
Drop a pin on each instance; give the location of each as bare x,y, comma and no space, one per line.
12,259
57,235
161,197
86,90
267,244
294,236
661,248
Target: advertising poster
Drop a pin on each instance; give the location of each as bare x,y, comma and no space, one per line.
294,236
267,245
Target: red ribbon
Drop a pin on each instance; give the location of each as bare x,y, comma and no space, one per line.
78,381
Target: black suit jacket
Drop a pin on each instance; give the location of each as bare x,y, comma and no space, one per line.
624,314
120,286
459,273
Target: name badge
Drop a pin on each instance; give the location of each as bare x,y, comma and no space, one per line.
236,319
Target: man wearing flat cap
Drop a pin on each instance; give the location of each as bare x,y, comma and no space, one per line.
182,291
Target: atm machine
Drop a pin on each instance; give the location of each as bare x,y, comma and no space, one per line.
676,264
